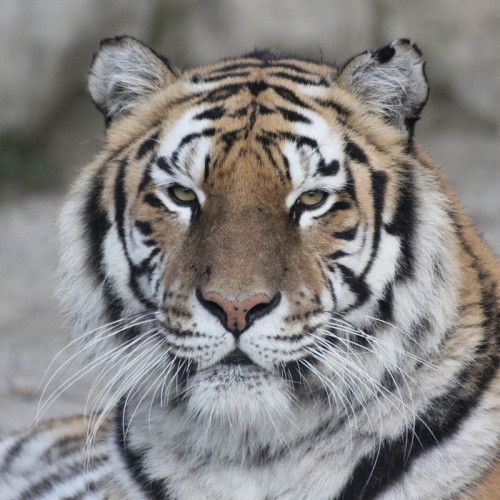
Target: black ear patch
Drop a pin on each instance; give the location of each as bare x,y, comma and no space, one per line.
385,54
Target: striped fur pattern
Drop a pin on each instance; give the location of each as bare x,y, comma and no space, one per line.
277,291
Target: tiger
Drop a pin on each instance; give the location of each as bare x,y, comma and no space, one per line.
277,289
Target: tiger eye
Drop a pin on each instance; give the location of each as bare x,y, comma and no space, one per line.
311,198
182,194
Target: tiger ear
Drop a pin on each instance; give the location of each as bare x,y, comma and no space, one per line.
391,80
123,72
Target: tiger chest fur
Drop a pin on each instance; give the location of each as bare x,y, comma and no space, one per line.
282,294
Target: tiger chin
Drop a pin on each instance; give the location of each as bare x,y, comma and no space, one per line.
279,292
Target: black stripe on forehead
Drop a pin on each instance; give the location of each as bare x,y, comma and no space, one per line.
355,152
255,88
299,79
327,169
271,149
291,115
298,139
211,114
172,163
147,146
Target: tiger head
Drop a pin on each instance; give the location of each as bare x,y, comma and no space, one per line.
259,234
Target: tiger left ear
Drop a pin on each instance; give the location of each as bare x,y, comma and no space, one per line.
391,80
123,72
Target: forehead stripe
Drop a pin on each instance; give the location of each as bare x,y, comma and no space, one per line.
209,132
327,169
356,153
211,114
299,80
293,116
147,145
219,77
299,140
289,96
164,164
341,110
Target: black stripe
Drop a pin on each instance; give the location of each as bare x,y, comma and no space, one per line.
295,79
264,110
222,93
289,96
341,205
355,152
256,88
265,142
69,472
207,168
385,305
120,202
165,165
120,207
208,132
350,186
211,114
331,168
229,138
145,264
299,140
356,285
293,116
293,67
13,452
251,121
153,200
219,77
403,224
144,227
348,234
336,255
379,181
97,226
154,489
237,66
147,146
146,177
341,110
286,164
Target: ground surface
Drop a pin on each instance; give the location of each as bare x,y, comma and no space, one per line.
31,333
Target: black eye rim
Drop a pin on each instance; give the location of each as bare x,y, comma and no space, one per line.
302,206
183,203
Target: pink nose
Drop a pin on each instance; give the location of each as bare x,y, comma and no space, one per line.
237,312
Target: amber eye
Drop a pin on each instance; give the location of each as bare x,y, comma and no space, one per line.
182,194
311,199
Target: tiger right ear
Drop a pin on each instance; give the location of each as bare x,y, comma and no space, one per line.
123,72
391,80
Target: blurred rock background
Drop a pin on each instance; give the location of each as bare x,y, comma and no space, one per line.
49,127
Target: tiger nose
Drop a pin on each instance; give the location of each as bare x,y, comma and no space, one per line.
237,315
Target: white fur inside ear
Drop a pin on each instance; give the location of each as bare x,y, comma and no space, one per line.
123,72
390,80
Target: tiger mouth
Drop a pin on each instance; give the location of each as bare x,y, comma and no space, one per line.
236,357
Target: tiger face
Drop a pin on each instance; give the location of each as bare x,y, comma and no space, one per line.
247,228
